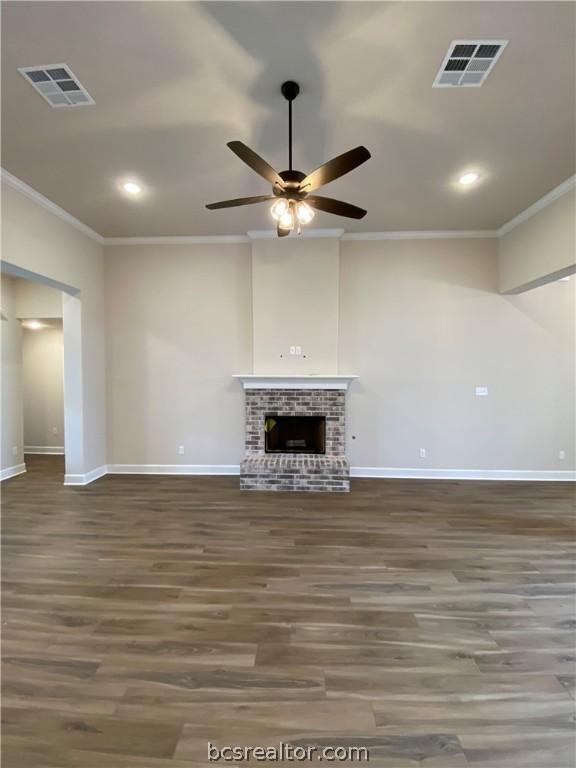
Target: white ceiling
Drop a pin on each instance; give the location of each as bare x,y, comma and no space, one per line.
174,81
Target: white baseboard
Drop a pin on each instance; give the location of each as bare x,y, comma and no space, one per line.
463,474
17,469
382,472
366,472
89,477
174,469
52,450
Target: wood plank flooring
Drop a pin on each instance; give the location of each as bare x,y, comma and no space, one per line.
432,622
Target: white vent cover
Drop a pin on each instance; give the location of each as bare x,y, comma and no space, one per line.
57,84
468,63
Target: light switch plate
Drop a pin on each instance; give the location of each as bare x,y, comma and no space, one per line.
481,391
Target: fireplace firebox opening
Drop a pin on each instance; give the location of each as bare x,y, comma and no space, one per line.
295,434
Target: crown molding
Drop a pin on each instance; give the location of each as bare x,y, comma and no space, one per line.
433,234
271,234
539,205
177,240
265,234
44,202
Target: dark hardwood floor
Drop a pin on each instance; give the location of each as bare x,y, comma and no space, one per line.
432,622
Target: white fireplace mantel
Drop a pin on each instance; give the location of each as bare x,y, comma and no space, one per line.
294,381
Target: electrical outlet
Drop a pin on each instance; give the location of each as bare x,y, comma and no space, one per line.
54,430
422,453
562,455
292,350
298,350
181,450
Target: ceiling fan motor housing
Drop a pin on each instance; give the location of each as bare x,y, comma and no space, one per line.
291,190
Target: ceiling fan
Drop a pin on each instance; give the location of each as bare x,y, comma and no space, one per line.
291,189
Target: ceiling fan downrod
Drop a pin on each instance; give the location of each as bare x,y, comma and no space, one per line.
290,90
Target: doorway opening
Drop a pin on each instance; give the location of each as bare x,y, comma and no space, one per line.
43,386
41,376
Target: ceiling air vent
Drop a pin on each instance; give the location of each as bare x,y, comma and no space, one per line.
57,84
468,63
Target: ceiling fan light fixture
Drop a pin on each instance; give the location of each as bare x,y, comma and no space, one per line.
291,187
279,208
286,220
304,213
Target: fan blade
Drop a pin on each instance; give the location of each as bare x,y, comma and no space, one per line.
336,206
282,232
255,162
335,168
240,201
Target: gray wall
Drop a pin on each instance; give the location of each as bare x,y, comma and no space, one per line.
295,303
179,324
541,247
33,300
422,325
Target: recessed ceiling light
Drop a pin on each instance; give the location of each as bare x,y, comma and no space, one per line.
469,178
131,188
33,325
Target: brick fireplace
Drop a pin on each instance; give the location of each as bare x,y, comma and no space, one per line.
295,404
295,433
